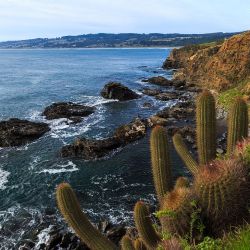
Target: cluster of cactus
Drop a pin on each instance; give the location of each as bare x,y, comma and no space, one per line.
217,199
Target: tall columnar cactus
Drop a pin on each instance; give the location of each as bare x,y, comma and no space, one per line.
139,245
144,225
183,152
223,190
237,124
161,164
206,127
176,212
72,213
127,243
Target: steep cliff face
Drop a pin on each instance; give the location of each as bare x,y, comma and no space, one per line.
216,66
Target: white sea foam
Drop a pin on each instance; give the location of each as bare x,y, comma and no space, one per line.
68,167
93,100
43,236
3,178
34,162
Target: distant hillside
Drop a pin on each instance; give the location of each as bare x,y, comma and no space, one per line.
117,40
216,65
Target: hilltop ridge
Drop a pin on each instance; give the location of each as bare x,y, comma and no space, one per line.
121,40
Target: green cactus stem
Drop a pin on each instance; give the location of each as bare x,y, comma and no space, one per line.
72,213
127,243
139,245
206,127
237,124
144,225
223,191
161,164
183,152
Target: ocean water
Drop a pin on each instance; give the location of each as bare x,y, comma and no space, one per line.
107,188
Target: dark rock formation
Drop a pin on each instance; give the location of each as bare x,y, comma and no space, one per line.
162,95
115,90
151,92
68,110
16,132
159,80
90,149
166,96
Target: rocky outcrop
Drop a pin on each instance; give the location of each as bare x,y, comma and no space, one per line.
156,120
16,132
162,95
183,110
90,149
217,65
69,110
151,92
159,80
115,90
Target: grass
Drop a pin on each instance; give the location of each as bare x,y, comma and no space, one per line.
238,240
226,98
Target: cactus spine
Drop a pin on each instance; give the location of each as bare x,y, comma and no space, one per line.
237,124
161,165
139,245
127,243
183,152
72,213
144,225
206,127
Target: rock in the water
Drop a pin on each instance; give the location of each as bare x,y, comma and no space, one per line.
16,132
68,110
160,80
131,132
166,96
90,149
179,111
151,92
115,90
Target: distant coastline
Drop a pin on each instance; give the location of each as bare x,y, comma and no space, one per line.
123,40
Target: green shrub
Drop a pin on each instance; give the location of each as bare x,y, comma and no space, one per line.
226,98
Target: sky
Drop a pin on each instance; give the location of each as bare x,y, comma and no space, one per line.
24,19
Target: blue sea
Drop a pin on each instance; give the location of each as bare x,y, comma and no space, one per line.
108,188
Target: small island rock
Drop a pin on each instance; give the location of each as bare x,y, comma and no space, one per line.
115,90
68,110
16,132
